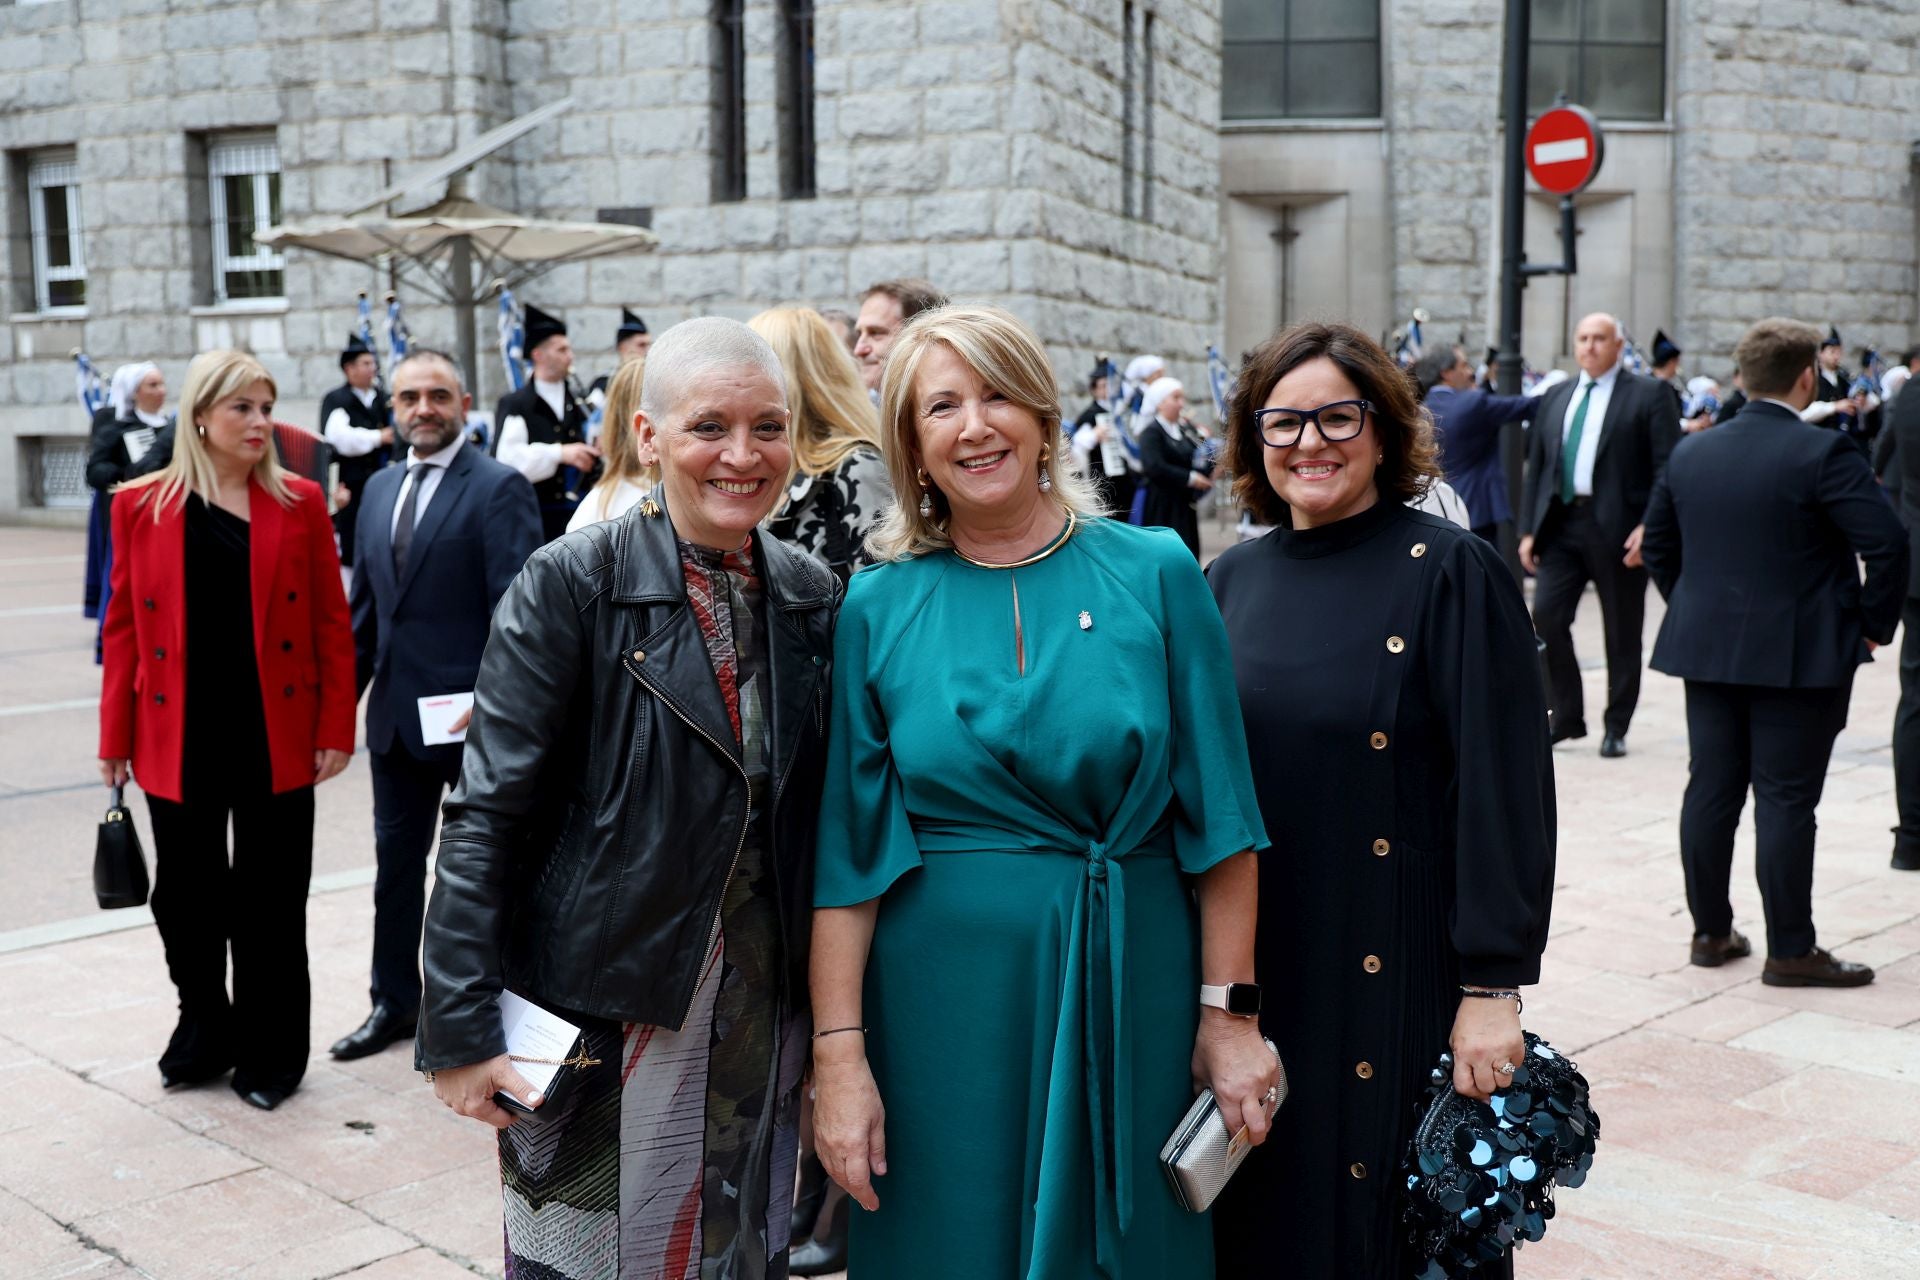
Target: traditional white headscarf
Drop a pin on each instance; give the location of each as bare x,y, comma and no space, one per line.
1156,393
126,380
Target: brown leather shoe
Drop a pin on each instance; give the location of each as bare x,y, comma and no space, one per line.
1817,968
1711,953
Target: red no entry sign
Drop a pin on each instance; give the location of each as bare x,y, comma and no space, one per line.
1564,149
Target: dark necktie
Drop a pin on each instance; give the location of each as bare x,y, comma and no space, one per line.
1570,451
403,529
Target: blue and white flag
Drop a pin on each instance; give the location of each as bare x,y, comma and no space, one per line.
399,338
1220,381
1119,409
1868,383
1630,355
87,382
513,342
1409,346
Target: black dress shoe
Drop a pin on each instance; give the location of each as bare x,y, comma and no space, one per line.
1710,952
1612,748
1567,733
1906,855
384,1026
807,1199
1817,968
825,1255
265,1099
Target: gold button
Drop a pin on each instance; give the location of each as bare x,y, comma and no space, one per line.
1379,740
1419,549
1364,1070
1395,644
1357,1169
1381,848
1371,964
639,655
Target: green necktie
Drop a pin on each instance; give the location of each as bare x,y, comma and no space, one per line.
1570,451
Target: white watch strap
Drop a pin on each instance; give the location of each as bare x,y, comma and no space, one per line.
1213,997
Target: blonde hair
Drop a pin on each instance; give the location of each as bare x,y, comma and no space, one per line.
1006,355
831,413
212,377
618,449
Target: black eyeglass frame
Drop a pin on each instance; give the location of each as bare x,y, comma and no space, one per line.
1313,416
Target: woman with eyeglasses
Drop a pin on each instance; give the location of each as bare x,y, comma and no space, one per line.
1398,732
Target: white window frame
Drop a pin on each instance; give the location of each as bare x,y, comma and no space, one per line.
250,155
55,169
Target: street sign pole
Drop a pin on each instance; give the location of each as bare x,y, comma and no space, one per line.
1513,211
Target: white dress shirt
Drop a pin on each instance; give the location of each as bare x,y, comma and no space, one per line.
1590,427
437,464
536,462
347,440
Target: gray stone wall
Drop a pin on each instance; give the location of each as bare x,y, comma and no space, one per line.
1442,91
975,142
1793,192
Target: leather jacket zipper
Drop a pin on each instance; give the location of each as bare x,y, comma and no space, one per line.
719,906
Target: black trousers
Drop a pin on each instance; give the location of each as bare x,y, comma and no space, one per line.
253,899
1779,742
1572,550
406,805
1906,732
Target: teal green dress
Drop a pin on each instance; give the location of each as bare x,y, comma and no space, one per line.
1025,766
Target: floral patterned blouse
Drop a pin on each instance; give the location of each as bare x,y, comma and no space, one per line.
830,515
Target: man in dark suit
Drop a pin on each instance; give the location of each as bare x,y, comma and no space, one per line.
1597,444
1467,422
441,539
1752,535
1902,478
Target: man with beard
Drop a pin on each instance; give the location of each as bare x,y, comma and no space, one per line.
440,540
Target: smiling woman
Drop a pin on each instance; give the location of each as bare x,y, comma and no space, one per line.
631,843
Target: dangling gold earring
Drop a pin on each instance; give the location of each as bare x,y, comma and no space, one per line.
926,494
649,508
1046,480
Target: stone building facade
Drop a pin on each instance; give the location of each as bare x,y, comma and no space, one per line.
1057,156
1762,168
1126,174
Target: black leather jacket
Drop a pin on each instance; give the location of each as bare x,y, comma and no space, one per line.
602,802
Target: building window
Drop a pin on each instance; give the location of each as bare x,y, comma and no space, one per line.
1146,118
59,251
796,100
243,176
1128,80
729,100
1609,56
1300,59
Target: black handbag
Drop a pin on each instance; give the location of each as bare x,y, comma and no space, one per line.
1480,1176
119,866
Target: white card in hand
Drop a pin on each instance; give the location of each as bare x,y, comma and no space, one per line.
532,1032
438,714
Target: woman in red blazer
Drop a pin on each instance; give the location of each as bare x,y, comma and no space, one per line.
228,693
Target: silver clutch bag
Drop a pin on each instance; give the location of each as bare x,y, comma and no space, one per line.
1201,1155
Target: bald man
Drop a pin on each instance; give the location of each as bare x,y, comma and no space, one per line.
1596,446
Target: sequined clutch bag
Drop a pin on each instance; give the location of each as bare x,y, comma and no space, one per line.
1481,1175
1202,1156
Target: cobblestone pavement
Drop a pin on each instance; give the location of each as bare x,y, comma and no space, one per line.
1749,1132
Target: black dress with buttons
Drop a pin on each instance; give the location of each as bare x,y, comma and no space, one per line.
1398,733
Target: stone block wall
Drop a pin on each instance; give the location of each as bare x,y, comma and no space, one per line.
1794,192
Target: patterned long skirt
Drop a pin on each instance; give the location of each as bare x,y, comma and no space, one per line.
673,1158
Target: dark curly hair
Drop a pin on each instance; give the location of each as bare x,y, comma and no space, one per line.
1404,428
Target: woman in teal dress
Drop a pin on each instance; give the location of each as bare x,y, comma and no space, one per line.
1021,888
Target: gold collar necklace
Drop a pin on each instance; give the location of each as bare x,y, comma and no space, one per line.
1073,522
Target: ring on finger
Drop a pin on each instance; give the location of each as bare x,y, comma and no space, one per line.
1506,1068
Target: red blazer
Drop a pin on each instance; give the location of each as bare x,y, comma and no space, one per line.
302,638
